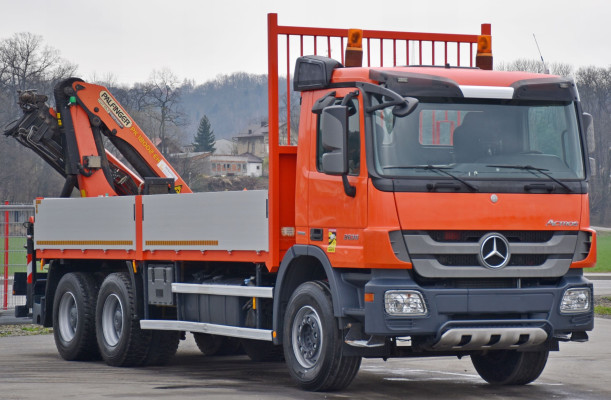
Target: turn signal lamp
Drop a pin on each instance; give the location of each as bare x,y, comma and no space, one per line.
354,49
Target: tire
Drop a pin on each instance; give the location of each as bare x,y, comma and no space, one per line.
215,345
162,347
121,341
510,367
313,342
74,317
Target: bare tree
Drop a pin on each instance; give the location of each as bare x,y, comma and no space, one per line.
595,91
163,94
536,66
25,63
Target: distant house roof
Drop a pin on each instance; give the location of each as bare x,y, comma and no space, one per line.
251,158
224,146
192,155
255,130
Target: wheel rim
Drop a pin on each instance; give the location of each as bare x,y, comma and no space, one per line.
67,317
307,335
112,320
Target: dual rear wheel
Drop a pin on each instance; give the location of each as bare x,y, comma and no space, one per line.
91,321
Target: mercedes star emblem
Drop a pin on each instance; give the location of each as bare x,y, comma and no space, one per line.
494,251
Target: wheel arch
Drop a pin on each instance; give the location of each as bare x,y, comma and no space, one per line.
303,263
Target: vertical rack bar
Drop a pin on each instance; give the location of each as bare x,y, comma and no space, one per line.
6,232
274,175
458,54
445,53
420,51
288,90
301,45
394,52
471,55
433,52
407,62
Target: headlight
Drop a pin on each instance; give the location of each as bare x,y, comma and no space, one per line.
576,301
404,302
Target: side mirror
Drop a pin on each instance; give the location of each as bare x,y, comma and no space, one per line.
406,108
334,135
588,123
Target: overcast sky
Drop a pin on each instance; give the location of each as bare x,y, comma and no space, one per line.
199,40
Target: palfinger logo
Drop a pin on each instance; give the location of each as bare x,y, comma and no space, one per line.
116,112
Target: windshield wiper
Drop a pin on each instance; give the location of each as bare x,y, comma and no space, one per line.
439,169
532,170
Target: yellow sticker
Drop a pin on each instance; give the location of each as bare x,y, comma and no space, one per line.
332,240
178,188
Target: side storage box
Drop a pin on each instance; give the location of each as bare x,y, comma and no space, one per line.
160,280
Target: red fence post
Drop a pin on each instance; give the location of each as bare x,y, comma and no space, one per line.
6,215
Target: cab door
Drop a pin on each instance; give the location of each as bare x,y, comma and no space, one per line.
336,220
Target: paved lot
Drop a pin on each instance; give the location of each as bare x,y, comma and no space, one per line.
31,369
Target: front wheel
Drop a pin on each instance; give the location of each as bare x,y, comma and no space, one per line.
313,342
121,341
510,367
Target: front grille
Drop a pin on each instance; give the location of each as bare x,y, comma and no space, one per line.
475,236
470,260
456,254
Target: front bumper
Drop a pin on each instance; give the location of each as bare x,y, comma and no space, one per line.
534,309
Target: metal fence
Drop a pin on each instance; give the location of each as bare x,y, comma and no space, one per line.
13,239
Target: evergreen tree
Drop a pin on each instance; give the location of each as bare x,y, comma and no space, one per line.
204,138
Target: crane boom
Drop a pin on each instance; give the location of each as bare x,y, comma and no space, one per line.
70,139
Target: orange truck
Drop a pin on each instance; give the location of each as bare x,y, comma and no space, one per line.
415,211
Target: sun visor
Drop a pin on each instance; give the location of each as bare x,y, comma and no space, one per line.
413,84
554,88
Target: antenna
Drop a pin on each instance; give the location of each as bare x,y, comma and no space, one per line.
545,70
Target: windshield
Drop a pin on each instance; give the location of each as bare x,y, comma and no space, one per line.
479,139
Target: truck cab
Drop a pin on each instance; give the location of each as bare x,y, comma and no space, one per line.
451,206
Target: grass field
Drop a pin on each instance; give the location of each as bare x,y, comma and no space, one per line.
16,255
603,247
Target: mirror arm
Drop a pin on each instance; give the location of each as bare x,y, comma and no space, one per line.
349,97
348,188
